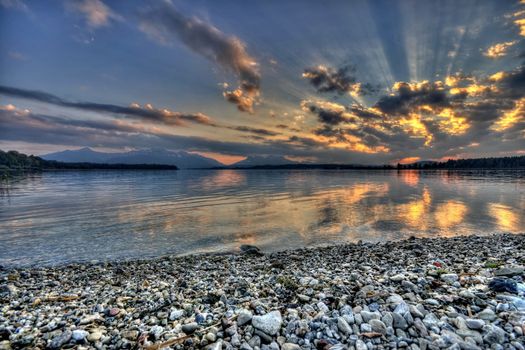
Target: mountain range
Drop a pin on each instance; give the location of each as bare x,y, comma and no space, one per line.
181,159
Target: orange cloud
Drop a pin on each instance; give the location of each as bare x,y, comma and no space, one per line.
499,50
510,118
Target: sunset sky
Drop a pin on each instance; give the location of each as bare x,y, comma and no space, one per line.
337,81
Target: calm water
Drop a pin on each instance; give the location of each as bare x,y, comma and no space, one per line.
69,216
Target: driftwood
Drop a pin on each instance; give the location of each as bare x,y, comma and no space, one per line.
371,334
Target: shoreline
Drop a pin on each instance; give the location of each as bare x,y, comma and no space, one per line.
420,293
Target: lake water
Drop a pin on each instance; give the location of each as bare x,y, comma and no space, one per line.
60,217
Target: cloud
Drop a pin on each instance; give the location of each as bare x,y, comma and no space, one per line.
432,119
15,55
499,50
164,23
14,4
95,12
406,96
341,81
520,21
257,131
327,112
243,100
146,112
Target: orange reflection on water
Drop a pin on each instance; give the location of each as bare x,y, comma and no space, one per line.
415,212
450,214
223,178
410,177
506,218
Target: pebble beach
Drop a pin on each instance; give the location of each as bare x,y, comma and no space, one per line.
420,293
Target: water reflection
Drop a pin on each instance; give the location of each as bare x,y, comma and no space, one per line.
506,217
450,214
60,217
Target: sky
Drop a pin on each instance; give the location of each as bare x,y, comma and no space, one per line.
366,82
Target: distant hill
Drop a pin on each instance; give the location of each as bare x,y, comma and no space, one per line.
13,161
257,161
182,159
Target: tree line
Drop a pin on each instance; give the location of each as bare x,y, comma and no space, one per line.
473,163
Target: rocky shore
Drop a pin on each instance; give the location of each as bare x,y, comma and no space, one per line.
454,293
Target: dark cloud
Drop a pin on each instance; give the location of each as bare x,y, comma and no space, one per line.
409,96
257,131
164,23
512,85
134,111
341,80
327,112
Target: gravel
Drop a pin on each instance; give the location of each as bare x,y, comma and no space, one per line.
457,293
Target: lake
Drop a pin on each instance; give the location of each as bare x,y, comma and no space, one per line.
61,217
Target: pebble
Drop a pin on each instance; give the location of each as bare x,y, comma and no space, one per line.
474,323
79,334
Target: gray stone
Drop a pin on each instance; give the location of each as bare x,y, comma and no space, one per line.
269,323
343,326
244,317
449,278
487,315
494,335
378,326
399,321
79,334
290,346
473,323
189,328
509,271
367,315
61,340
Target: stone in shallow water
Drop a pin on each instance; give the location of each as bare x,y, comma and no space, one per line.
269,323
250,250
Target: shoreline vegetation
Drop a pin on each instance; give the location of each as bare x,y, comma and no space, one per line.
420,293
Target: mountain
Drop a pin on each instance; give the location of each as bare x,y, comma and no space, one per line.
80,155
252,161
181,159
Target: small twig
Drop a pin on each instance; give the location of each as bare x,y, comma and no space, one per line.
61,298
371,334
